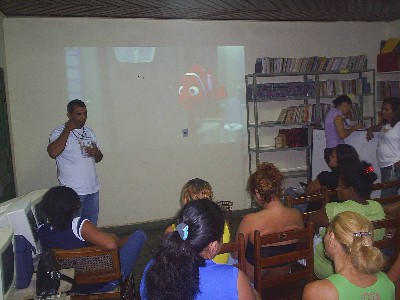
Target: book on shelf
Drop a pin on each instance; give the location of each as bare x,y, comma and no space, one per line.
310,64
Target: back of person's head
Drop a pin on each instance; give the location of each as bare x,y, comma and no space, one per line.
174,273
341,99
76,102
196,188
59,205
360,177
355,234
346,155
267,180
394,103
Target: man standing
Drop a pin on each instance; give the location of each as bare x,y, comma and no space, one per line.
74,147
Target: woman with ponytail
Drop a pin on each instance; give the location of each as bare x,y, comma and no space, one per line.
182,266
353,192
358,264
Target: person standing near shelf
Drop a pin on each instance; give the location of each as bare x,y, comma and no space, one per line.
388,150
336,129
74,147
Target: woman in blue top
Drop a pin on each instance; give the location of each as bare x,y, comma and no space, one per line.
182,266
65,230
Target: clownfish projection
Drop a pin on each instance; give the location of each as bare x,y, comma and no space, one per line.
197,85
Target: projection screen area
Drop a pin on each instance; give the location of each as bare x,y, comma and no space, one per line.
175,92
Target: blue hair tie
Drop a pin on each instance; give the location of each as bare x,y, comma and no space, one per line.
183,230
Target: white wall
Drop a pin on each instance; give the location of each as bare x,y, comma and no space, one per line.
146,185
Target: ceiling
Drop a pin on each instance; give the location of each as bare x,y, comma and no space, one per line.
256,10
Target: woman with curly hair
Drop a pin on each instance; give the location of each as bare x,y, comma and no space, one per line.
358,264
265,186
182,266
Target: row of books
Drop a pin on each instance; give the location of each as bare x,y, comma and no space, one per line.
294,137
387,89
293,90
307,113
270,65
333,87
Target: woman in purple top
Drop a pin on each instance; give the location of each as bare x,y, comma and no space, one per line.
335,129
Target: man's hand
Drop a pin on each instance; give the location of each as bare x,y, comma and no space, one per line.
70,125
94,152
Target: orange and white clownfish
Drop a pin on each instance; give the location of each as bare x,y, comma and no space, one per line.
197,85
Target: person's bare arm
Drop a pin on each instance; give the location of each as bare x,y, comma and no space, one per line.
394,272
56,147
371,130
100,238
341,130
245,290
314,290
313,187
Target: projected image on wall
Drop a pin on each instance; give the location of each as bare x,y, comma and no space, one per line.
148,95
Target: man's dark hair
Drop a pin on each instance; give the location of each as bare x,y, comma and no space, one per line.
76,102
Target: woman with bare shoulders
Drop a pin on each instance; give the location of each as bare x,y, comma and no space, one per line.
358,264
265,186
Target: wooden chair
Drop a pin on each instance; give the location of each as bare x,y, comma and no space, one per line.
226,207
392,236
238,246
323,197
386,185
93,265
290,285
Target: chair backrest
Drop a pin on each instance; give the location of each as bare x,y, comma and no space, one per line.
304,252
388,200
91,264
323,196
392,235
238,246
386,185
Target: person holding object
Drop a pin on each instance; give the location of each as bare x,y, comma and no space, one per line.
336,129
75,149
358,264
65,230
182,266
388,150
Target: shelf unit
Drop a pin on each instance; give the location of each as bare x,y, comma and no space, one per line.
257,124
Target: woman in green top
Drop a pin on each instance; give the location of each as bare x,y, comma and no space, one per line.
358,264
354,190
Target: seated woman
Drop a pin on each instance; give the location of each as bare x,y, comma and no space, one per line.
194,189
358,264
65,230
342,155
265,186
182,266
354,190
